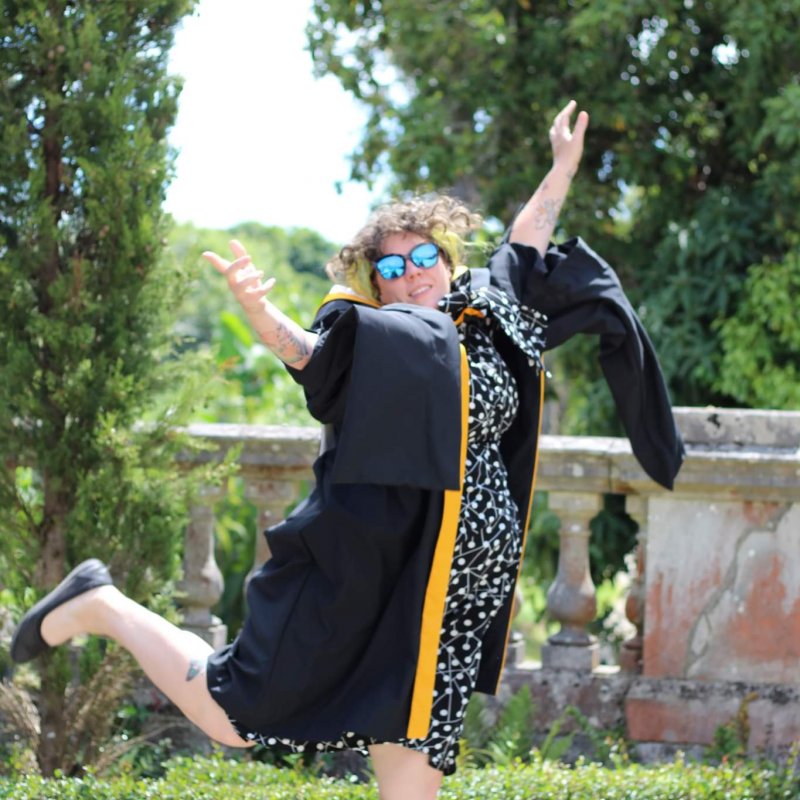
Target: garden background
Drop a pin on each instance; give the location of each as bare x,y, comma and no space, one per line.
112,334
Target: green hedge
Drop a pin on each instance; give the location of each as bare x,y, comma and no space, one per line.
219,779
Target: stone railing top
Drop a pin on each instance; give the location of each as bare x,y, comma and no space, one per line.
726,469
600,464
739,427
286,447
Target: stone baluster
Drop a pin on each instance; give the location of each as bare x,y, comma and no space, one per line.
202,582
630,656
271,499
571,598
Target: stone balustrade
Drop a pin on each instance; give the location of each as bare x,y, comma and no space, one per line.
273,461
693,585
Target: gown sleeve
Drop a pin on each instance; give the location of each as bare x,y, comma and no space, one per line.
388,380
326,377
580,293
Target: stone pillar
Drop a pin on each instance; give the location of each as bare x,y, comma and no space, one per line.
571,598
630,655
202,582
271,499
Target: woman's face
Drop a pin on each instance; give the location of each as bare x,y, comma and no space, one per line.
417,285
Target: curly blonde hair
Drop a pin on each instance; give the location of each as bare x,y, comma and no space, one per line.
440,218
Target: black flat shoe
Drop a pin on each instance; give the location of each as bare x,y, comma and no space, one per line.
27,642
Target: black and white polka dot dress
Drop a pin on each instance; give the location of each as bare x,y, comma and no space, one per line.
485,559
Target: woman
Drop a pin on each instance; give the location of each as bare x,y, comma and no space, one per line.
387,598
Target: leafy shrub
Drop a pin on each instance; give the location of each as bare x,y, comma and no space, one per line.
505,740
216,778
512,735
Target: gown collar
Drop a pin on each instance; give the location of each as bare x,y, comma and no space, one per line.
524,326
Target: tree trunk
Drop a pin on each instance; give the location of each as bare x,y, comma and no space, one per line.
49,571
50,753
52,533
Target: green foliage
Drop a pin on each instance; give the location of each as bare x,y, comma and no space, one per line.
582,397
308,250
541,550
613,537
507,739
731,740
255,387
513,736
608,748
760,344
217,778
92,387
689,185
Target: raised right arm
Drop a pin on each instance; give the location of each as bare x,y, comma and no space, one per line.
282,335
537,220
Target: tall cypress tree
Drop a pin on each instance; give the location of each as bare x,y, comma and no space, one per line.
90,386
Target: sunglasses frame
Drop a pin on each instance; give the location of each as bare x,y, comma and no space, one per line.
391,273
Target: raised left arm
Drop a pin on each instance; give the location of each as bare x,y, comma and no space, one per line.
536,221
288,341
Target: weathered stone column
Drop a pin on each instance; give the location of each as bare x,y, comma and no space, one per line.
571,598
202,582
630,655
271,499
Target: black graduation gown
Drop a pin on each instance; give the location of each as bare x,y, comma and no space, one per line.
343,620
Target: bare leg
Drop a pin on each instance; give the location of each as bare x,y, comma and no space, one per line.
173,659
404,774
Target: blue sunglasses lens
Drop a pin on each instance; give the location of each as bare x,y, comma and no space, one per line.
393,266
424,255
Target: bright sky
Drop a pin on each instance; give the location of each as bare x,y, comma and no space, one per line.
259,138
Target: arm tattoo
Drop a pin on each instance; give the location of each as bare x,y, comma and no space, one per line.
547,212
195,668
289,346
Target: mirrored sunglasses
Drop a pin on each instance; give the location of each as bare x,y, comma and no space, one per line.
393,265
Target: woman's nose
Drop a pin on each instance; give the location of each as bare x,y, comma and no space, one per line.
411,268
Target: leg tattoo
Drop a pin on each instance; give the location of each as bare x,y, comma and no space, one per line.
195,668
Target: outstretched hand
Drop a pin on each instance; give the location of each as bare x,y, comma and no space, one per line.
245,281
568,144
